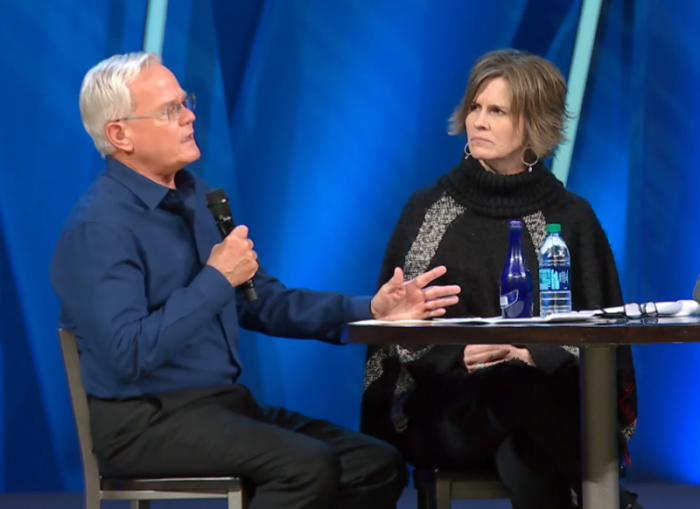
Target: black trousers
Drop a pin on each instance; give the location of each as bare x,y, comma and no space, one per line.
294,461
513,417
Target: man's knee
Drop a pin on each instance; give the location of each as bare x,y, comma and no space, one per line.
384,465
393,463
316,466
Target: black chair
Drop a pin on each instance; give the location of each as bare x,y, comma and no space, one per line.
139,491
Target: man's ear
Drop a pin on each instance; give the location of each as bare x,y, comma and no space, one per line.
118,135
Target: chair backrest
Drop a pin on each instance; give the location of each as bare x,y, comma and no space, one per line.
71,361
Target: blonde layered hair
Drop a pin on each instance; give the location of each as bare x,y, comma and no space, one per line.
538,97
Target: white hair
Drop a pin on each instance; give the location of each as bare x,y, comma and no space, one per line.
105,94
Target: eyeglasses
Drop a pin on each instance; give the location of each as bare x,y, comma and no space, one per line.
172,112
633,311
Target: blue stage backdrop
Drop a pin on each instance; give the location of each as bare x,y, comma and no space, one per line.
320,119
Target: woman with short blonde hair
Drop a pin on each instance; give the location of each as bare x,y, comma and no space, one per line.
515,407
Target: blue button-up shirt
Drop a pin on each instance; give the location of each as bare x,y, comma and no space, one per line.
149,314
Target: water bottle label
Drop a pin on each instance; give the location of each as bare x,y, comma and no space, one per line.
554,279
509,299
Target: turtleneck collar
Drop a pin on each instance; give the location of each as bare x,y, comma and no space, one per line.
494,195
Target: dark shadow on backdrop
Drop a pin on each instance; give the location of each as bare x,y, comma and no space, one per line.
234,45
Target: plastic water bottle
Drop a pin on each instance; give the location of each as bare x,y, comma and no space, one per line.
516,281
555,273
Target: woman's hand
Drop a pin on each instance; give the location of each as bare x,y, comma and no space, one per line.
483,356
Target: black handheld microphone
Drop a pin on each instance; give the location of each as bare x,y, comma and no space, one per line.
218,205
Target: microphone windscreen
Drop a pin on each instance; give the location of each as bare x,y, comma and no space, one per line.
217,202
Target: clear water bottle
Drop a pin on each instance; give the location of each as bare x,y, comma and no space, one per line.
516,281
555,273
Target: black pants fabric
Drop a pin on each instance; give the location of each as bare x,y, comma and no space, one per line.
513,417
293,461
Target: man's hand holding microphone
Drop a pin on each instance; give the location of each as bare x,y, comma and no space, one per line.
234,257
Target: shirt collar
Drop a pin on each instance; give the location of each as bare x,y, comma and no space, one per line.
149,192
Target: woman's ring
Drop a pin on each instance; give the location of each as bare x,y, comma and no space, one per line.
479,366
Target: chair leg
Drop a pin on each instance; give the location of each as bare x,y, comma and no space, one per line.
424,499
140,504
92,500
443,493
237,500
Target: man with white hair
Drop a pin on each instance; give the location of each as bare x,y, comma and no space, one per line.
151,293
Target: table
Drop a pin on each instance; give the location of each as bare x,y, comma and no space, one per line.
596,339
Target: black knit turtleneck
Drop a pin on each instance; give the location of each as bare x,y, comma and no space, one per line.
495,195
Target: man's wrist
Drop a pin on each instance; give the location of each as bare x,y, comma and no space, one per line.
372,311
358,308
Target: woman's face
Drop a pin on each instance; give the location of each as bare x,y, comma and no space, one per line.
493,136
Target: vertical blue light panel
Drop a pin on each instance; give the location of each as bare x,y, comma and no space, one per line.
154,34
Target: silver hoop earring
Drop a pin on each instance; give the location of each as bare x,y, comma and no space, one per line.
529,165
467,154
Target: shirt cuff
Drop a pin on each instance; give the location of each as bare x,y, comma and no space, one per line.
550,358
358,308
215,287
